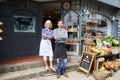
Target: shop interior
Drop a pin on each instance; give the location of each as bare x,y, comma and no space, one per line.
96,23
51,11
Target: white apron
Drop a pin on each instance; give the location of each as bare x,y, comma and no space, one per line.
45,48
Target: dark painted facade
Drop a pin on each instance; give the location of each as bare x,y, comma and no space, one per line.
19,43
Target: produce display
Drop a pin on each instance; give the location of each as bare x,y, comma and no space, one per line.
108,67
95,49
105,46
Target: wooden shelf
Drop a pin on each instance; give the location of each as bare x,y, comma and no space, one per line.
72,48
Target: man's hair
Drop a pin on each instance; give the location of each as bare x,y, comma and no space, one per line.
60,20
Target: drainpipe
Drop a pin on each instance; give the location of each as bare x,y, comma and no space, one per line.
80,29
115,25
118,24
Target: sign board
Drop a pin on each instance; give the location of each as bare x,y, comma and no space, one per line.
86,62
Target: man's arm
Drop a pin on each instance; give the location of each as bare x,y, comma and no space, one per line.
65,35
56,35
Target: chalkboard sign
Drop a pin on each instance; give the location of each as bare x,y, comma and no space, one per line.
86,62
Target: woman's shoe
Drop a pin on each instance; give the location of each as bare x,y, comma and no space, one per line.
53,69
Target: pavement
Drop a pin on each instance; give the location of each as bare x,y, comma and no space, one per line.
74,75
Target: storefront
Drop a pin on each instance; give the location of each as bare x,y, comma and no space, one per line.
84,16
80,16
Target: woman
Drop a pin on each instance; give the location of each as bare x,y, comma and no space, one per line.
46,46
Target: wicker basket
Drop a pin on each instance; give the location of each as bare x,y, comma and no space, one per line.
88,41
99,75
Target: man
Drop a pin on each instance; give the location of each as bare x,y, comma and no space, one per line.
100,39
60,35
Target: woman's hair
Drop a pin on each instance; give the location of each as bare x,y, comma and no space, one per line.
48,21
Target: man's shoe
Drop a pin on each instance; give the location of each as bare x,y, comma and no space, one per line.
65,75
58,75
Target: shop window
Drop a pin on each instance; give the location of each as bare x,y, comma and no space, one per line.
71,23
96,23
71,20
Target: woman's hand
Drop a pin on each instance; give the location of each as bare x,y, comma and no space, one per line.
49,37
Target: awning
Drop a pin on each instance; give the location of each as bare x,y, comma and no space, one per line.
44,0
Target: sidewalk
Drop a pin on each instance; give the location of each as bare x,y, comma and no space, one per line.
76,76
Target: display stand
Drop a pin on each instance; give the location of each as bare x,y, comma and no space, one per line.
86,62
88,57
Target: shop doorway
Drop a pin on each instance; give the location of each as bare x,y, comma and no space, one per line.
51,11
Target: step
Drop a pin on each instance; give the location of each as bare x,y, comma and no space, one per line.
29,65
33,72
20,66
